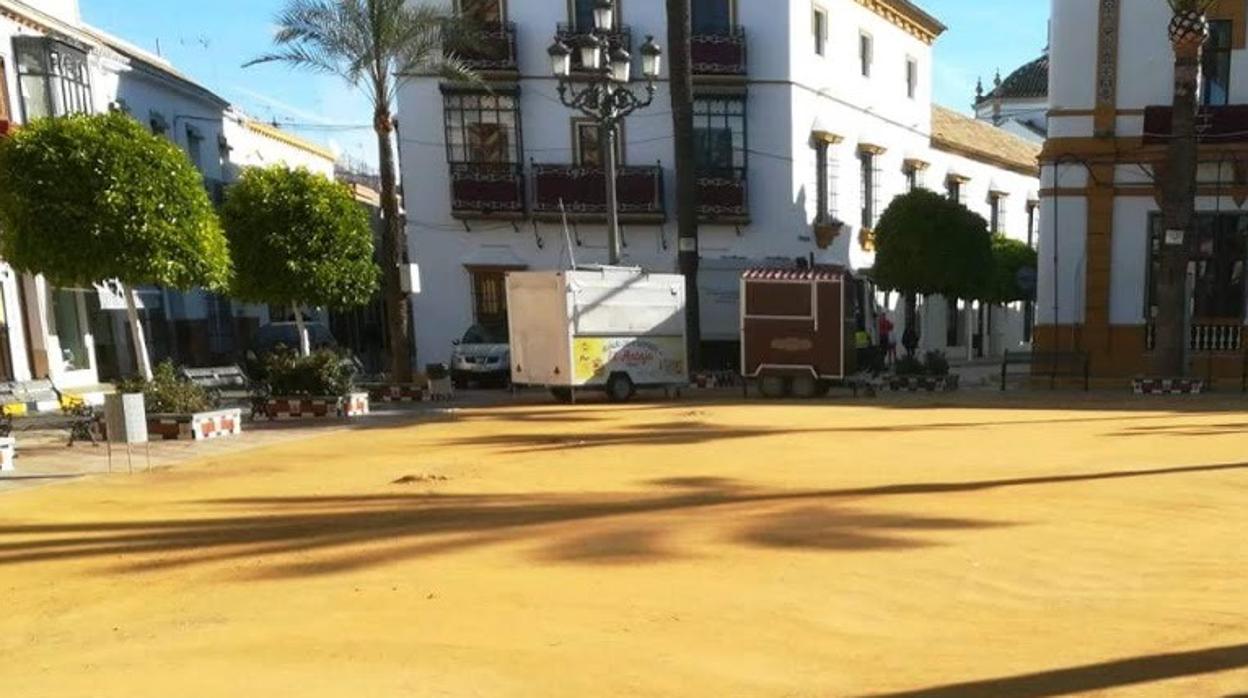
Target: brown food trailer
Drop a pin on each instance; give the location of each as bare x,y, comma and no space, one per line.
797,329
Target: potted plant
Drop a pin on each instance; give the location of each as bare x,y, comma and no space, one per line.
321,384
180,410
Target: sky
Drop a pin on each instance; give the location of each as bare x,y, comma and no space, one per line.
211,40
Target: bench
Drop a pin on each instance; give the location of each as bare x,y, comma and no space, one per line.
1066,364
39,404
228,382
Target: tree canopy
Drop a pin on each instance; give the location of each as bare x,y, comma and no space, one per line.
298,239
926,243
90,198
1010,258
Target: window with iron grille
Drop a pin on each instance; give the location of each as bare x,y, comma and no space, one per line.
914,176
953,187
912,77
719,133
866,166
489,297
52,77
995,202
482,128
6,114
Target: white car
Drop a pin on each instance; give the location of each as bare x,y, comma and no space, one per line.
482,356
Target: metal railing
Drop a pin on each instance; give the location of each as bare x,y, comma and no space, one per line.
484,47
721,52
723,193
485,189
583,191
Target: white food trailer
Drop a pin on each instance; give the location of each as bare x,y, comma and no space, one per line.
598,328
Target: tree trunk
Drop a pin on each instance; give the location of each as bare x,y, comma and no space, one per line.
305,346
142,361
393,248
1178,211
679,28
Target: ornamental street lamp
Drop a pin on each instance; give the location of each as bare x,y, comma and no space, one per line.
602,94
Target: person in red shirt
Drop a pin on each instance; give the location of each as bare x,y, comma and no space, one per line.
887,344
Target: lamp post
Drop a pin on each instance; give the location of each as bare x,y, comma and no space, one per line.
603,94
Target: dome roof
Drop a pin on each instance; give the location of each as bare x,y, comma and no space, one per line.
1028,82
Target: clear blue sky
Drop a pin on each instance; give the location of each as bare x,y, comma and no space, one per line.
211,40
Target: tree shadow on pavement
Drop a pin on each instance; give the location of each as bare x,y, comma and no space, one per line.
277,535
692,431
1100,676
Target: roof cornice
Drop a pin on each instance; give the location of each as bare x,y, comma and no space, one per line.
908,16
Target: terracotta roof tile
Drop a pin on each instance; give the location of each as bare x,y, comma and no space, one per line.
984,142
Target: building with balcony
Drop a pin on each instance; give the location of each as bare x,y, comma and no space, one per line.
809,118
53,64
1110,93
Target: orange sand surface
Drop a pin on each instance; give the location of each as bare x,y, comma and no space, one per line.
731,549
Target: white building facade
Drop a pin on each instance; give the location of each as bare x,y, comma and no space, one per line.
1110,92
54,64
807,115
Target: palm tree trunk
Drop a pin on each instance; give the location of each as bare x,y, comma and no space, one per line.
393,247
679,28
1178,211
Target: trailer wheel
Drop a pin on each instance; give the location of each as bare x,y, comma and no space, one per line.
773,386
620,388
563,395
805,387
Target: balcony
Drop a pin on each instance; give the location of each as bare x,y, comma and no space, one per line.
1221,124
719,53
723,196
488,48
620,37
583,191
487,190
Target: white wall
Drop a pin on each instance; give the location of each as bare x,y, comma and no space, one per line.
790,90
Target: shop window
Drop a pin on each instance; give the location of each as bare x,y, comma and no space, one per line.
52,76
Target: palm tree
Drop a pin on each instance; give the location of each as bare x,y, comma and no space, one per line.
374,45
679,28
1189,29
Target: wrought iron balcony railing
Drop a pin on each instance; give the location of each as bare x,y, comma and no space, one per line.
487,190
484,47
719,52
583,192
723,195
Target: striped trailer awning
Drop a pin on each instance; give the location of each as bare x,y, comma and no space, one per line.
815,273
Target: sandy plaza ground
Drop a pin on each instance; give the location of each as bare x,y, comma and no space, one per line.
980,545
